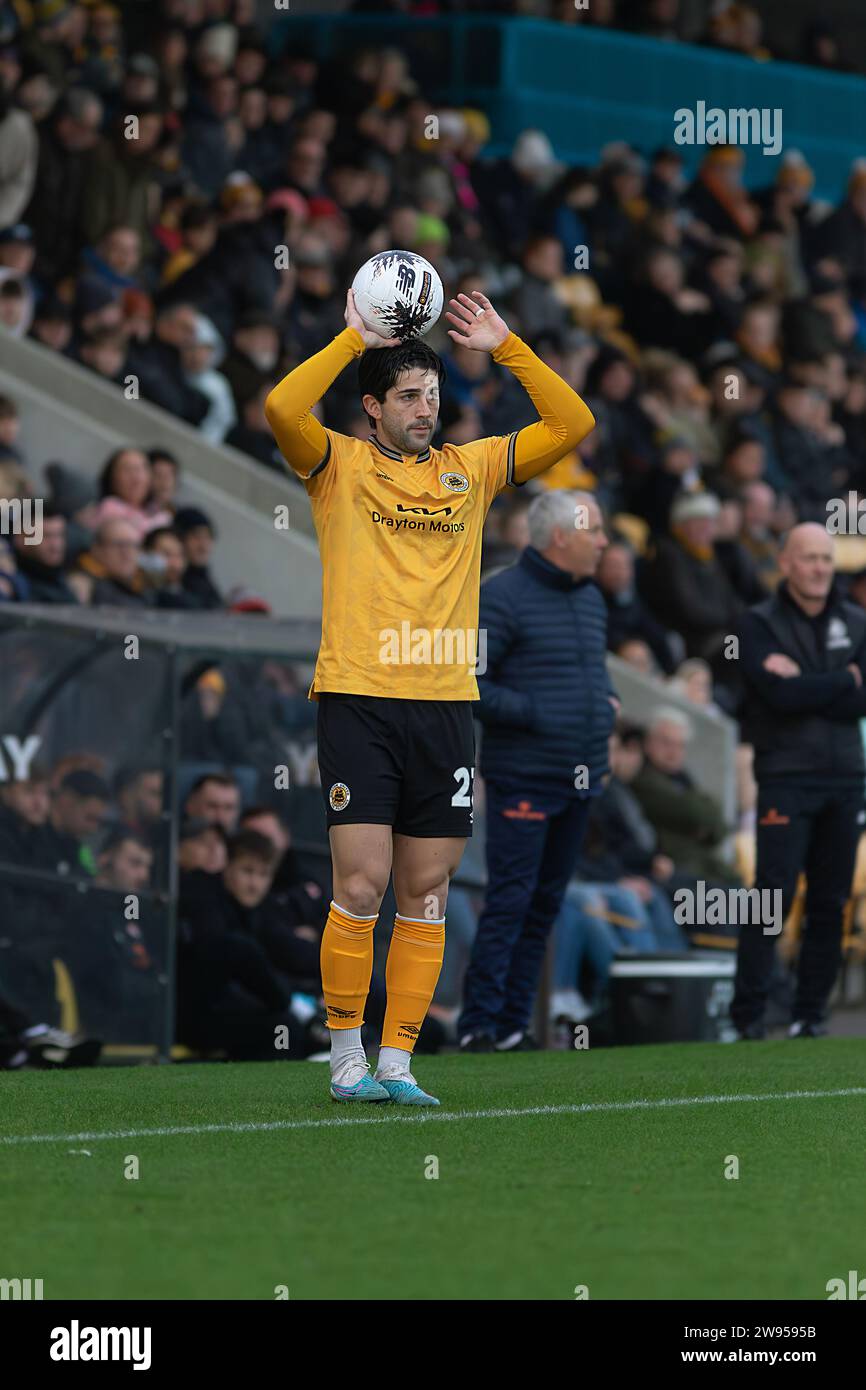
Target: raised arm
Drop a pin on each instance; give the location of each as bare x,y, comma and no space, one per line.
288,408
565,418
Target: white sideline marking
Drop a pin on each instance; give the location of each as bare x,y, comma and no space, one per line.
426,1116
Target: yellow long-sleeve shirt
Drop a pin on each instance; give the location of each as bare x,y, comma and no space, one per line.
400,534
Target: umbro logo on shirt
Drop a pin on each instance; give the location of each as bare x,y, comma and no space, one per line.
384,477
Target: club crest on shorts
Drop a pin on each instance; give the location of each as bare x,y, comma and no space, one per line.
339,796
455,482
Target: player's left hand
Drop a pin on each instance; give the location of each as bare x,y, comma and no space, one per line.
479,324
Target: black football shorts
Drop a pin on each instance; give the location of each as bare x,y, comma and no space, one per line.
409,764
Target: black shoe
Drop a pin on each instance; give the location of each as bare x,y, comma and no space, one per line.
752,1032
517,1042
807,1028
50,1048
476,1042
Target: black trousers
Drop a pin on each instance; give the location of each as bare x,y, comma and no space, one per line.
807,829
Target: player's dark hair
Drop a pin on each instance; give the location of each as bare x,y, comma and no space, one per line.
380,368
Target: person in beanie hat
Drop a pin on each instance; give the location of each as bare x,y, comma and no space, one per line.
197,532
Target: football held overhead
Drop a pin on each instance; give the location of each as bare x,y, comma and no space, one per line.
400,533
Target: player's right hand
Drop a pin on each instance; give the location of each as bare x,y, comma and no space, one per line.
354,320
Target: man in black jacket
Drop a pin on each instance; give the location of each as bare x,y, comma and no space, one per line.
43,565
803,657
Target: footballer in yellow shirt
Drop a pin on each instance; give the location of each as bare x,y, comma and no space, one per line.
399,526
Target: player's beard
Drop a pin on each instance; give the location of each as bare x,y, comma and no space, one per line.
412,441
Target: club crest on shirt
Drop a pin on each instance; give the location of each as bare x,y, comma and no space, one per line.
455,482
339,796
837,635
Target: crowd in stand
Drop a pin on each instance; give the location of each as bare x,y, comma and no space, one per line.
717,333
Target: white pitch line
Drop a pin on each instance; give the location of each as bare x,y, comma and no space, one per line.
426,1117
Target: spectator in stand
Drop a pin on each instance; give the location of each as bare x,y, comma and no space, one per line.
296,906
52,324
156,363
805,447
164,563
199,226
717,196
42,567
201,845
17,254
108,575
219,952
138,795
164,479
125,492
536,303
199,361
123,176
842,237
627,614
125,862
197,534
254,354
24,809
252,435
215,797
687,586
79,809
757,535
689,823
19,152
66,145
115,260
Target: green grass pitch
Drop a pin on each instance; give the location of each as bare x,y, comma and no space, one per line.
630,1201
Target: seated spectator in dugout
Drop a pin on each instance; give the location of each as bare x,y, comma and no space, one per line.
112,964
294,911
229,995
215,797
689,822
78,810
24,808
201,846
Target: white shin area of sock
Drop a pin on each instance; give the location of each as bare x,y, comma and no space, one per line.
347,1055
393,1061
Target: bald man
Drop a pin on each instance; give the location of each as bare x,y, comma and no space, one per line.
803,658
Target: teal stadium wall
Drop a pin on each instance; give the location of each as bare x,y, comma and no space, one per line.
587,88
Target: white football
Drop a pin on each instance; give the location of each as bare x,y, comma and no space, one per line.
398,294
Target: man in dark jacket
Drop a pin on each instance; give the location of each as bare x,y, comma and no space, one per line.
803,658
547,707
627,615
229,995
688,587
42,566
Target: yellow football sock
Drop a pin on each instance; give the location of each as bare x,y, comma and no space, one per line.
414,961
347,964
